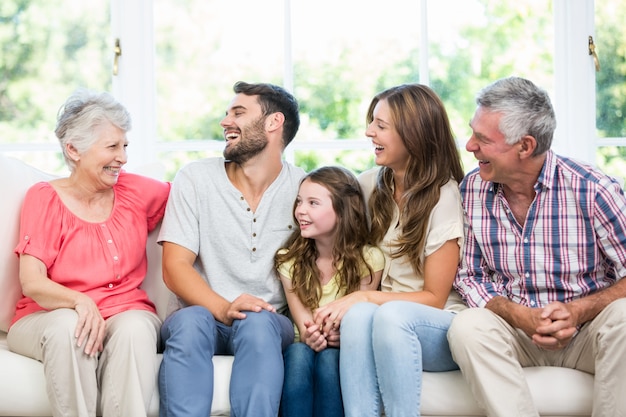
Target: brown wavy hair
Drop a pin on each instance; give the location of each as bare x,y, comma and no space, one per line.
351,237
420,118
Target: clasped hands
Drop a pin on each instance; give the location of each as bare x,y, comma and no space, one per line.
323,330
553,326
319,335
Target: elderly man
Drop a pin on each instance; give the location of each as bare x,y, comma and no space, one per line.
543,259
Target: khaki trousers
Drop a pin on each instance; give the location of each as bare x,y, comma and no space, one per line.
491,355
124,374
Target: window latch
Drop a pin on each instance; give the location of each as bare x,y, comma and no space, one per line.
592,51
118,52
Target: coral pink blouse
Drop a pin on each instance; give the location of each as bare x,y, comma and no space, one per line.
106,260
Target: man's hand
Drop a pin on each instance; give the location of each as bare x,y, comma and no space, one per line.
550,328
245,302
557,327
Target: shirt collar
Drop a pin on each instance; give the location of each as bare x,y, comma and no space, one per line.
547,174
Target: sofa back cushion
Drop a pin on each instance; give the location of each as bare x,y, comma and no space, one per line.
15,179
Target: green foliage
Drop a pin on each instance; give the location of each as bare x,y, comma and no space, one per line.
610,43
308,161
48,48
330,96
357,161
611,79
45,54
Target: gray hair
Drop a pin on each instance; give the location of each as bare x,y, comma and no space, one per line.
82,112
526,110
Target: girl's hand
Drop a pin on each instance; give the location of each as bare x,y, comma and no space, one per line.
314,337
332,338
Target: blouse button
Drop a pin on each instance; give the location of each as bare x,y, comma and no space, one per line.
253,249
248,209
109,241
110,285
115,258
26,237
253,234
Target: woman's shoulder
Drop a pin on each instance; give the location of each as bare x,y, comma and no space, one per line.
42,190
449,208
140,184
140,194
369,175
367,180
450,191
43,202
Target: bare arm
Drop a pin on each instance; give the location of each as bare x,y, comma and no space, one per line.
90,328
371,283
439,271
310,333
587,308
183,280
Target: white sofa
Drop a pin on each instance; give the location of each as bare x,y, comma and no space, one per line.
557,392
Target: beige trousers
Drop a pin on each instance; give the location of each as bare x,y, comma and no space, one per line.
124,374
491,355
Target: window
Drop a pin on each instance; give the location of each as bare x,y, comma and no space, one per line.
180,59
611,86
47,50
335,58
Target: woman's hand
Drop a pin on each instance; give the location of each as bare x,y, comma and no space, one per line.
329,316
91,327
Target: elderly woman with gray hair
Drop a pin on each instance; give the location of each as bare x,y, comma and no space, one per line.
82,260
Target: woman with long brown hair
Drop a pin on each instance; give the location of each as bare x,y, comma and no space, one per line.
389,337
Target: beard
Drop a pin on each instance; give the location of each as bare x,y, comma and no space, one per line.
251,142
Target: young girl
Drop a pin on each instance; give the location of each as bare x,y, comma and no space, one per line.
327,258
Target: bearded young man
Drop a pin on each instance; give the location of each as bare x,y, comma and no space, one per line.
225,220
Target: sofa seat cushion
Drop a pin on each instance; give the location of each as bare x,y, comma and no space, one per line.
557,391
23,386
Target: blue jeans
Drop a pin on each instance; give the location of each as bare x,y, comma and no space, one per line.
311,387
192,336
384,350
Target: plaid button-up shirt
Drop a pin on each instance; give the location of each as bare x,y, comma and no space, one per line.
573,241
